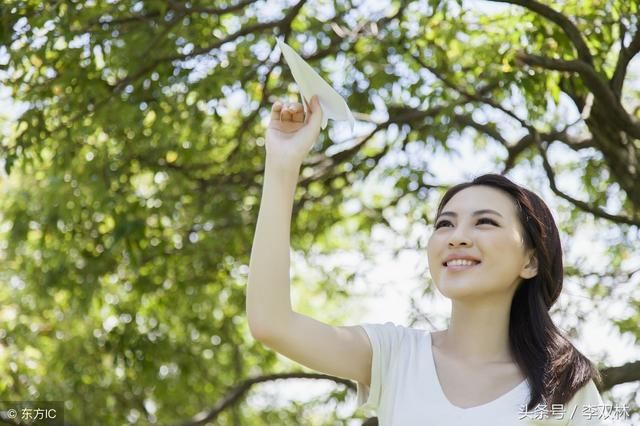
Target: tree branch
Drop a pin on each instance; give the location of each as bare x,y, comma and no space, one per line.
467,94
601,91
237,392
625,56
283,23
584,206
561,20
626,275
525,142
173,4
513,150
119,21
187,7
611,376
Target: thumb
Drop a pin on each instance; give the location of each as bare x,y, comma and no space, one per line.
315,112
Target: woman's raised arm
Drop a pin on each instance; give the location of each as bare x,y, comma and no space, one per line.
340,351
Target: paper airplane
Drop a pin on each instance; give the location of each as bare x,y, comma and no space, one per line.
310,83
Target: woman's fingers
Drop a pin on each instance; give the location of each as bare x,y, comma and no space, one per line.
275,110
287,112
298,113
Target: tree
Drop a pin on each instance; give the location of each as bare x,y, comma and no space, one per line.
134,180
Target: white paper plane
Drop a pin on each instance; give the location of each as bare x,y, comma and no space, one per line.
310,83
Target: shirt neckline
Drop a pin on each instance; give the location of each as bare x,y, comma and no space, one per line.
476,407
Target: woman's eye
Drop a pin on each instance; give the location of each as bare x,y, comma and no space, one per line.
487,220
441,223
482,220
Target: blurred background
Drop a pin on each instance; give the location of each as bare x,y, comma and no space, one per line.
132,156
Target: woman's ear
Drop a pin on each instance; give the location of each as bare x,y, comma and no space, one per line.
530,269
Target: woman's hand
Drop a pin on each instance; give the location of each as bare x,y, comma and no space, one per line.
291,135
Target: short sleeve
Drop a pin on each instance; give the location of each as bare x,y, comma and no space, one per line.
588,406
385,341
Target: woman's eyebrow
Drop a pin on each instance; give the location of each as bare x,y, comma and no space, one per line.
476,213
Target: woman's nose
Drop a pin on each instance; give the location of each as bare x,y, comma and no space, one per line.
459,236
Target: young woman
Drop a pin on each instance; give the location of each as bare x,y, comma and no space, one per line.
495,252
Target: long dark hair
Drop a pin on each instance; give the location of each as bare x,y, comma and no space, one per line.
554,368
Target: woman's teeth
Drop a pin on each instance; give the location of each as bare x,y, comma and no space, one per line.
460,262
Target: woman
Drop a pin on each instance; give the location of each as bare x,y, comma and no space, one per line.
495,252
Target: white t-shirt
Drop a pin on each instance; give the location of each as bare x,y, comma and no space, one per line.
405,390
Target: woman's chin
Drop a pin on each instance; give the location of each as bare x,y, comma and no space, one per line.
460,290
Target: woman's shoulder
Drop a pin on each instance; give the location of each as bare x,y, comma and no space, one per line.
588,394
392,326
390,330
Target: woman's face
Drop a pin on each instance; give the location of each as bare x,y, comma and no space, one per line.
479,222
